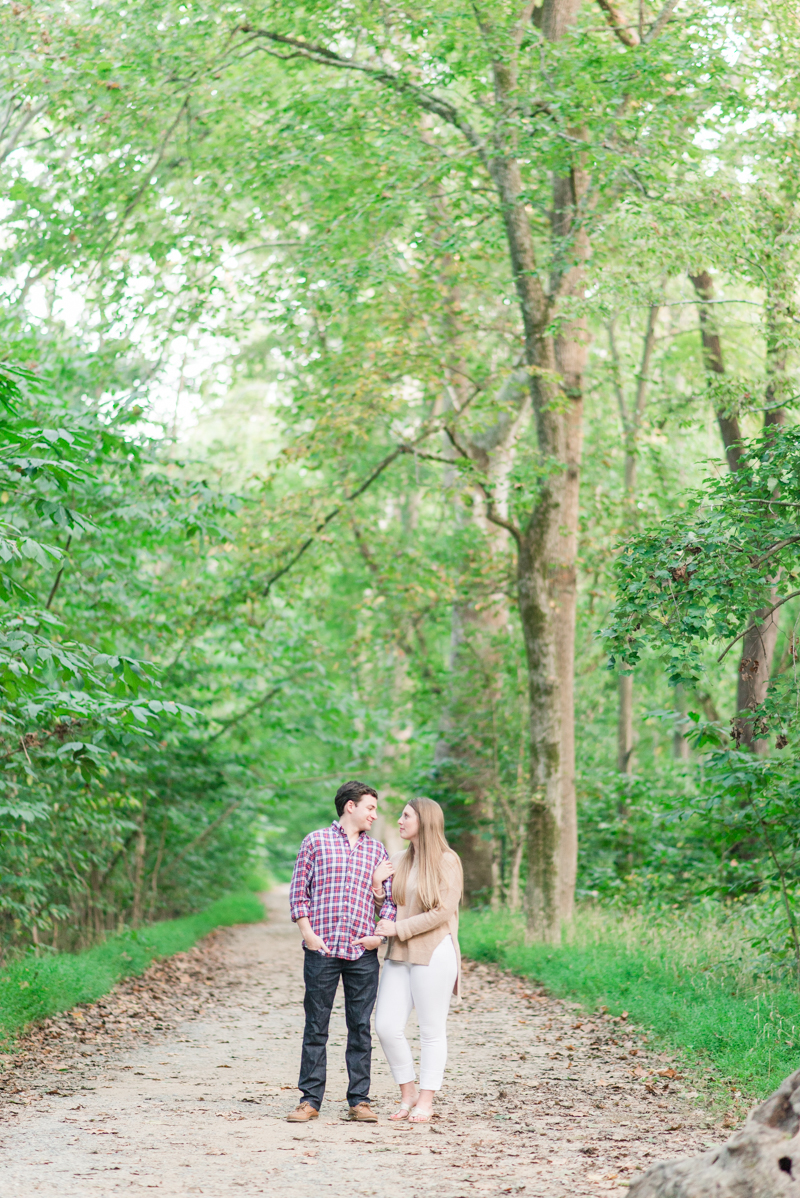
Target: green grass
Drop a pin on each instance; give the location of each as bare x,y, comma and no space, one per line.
687,979
33,988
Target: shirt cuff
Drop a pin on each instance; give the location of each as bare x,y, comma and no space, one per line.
300,912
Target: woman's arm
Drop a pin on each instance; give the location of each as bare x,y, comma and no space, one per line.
428,920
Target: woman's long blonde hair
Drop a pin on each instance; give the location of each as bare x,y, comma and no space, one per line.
433,848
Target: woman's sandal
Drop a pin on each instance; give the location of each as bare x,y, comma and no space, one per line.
415,1117
401,1113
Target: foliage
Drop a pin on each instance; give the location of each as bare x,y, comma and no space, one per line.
262,300
699,578
81,713
687,977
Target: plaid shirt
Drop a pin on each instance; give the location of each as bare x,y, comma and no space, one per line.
332,887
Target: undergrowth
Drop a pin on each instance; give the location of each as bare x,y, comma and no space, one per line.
34,987
691,979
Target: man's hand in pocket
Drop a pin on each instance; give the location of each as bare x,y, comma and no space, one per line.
313,942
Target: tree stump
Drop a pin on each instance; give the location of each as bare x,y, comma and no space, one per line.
761,1160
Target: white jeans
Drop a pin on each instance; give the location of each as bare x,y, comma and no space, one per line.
429,988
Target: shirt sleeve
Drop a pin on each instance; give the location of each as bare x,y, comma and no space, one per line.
389,908
385,908
300,888
415,925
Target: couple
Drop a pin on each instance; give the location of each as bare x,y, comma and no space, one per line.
342,878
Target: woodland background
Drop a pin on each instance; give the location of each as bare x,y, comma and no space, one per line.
344,348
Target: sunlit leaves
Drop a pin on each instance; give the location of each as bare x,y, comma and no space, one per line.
698,579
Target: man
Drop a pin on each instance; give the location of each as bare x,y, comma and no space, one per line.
331,901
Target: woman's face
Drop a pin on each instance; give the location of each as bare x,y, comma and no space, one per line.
408,823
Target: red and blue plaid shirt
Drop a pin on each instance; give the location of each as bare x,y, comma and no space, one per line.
332,887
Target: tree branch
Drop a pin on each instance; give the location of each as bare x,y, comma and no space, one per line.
614,19
647,353
616,378
237,719
728,422
206,832
154,163
766,612
56,584
376,473
29,114
660,22
491,514
774,549
325,57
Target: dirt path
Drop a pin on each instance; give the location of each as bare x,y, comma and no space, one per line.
179,1083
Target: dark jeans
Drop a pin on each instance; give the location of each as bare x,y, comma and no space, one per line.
360,981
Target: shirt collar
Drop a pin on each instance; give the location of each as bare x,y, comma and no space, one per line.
337,827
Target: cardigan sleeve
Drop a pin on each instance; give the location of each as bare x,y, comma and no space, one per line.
415,925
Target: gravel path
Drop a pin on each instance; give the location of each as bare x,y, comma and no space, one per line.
179,1081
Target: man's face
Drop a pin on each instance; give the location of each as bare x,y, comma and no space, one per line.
364,813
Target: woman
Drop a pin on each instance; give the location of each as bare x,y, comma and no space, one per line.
423,962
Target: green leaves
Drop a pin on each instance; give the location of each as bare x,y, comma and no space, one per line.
697,581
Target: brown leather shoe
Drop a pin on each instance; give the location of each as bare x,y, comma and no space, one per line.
303,1113
362,1112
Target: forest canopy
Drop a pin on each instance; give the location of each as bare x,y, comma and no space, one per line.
406,393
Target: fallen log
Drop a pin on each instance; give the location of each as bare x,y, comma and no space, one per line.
761,1160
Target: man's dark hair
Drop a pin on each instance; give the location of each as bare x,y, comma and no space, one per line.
354,791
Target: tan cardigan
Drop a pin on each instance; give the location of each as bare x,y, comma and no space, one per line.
420,932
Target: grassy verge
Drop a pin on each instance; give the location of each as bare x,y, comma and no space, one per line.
688,980
33,988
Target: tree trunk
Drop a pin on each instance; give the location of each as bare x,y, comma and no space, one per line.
494,451
680,745
625,724
547,544
631,419
159,858
714,364
514,895
755,668
758,646
475,625
478,626
138,870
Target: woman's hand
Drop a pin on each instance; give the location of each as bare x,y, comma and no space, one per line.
368,942
386,927
384,871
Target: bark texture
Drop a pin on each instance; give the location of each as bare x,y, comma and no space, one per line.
631,418
625,724
761,1160
547,544
714,364
758,646
468,747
